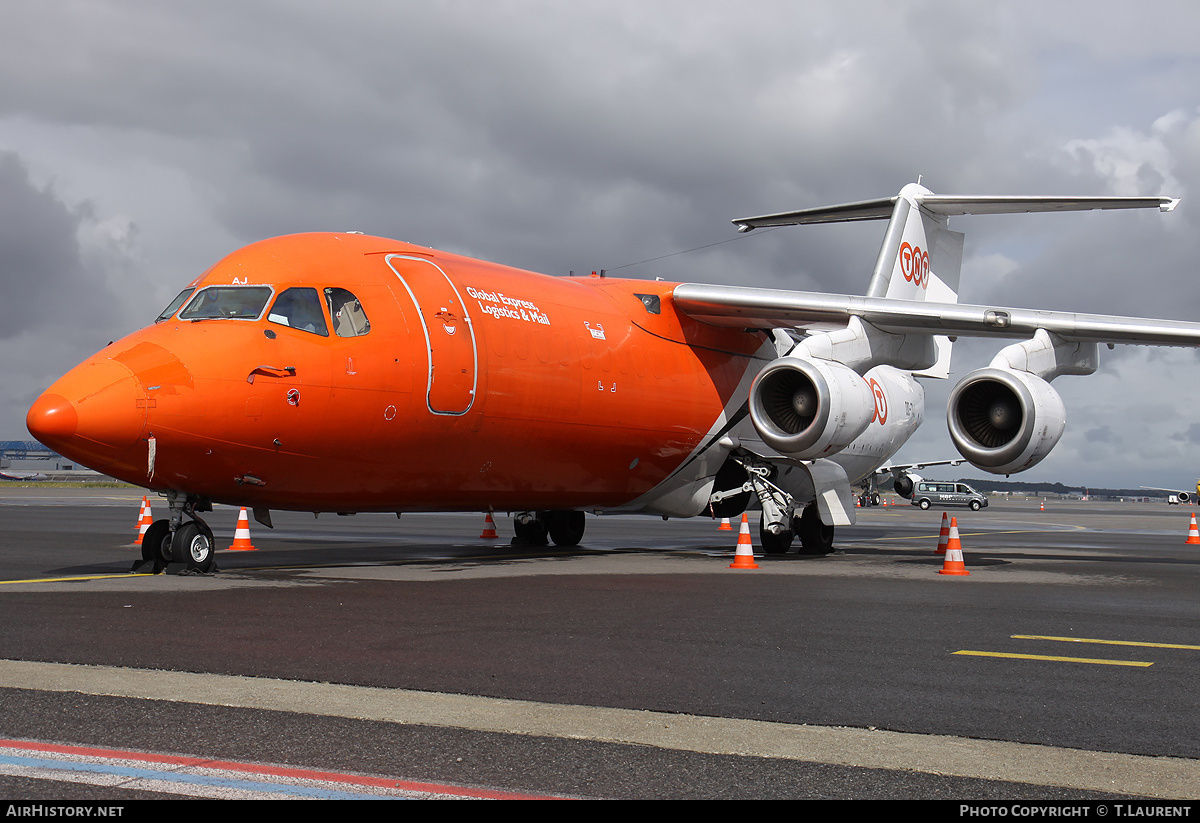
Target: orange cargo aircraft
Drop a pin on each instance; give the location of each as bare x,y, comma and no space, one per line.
344,373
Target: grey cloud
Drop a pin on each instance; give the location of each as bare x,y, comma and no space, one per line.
42,274
584,135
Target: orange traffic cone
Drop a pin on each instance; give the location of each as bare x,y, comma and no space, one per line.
725,526
943,535
144,521
1043,505
1193,533
954,559
744,558
241,537
489,528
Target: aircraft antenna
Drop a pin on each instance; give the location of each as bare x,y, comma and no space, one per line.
694,248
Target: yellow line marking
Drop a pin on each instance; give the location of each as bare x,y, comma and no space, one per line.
73,579
1058,659
1107,642
962,533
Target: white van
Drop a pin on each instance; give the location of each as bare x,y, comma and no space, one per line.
940,493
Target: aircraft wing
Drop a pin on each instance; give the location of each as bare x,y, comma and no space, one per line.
741,307
890,469
1183,494
11,475
55,476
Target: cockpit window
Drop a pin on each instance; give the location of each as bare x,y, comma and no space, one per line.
175,304
239,302
349,319
299,308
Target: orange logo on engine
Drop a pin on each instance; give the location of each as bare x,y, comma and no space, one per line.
914,264
880,402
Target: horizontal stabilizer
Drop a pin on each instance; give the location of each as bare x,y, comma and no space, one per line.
845,213
951,204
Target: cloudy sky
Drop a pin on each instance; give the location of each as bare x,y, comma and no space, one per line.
141,141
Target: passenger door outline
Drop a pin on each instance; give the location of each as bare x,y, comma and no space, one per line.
444,342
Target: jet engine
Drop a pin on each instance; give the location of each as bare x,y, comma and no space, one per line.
904,484
809,408
1004,421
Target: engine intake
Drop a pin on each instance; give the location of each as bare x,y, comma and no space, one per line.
808,408
904,484
1004,421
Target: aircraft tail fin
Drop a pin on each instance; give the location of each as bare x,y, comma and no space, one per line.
920,259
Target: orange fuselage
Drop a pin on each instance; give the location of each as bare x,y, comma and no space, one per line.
473,386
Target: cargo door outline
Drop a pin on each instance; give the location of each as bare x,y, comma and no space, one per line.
434,293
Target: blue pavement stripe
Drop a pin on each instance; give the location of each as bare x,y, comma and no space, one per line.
311,792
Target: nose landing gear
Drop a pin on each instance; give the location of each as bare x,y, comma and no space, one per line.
168,541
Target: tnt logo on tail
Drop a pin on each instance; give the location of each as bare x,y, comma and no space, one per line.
914,264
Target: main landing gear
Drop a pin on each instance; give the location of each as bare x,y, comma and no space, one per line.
172,540
565,528
815,537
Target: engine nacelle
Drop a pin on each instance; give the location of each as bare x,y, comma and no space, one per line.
1004,421
810,408
905,483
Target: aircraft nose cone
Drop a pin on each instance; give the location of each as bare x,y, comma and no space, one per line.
92,414
52,419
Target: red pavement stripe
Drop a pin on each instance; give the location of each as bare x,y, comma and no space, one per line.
267,769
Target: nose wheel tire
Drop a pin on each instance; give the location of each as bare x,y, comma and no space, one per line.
193,546
156,544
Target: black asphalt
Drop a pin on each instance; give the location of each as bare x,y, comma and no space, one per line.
864,638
